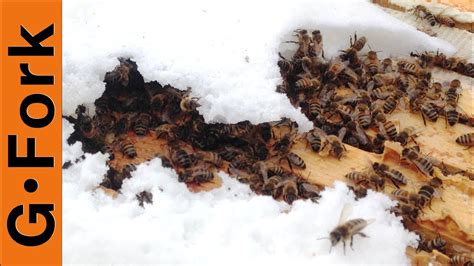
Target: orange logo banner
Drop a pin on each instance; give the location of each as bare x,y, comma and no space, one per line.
30,187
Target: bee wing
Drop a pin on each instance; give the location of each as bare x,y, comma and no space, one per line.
461,249
342,133
345,213
320,132
369,221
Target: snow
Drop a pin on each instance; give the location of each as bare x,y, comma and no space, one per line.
205,45
230,224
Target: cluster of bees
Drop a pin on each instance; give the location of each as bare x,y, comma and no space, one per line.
130,110
422,12
349,99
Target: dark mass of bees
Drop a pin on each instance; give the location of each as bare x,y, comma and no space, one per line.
349,99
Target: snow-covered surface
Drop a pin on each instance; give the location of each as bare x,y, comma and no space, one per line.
205,45
227,52
229,225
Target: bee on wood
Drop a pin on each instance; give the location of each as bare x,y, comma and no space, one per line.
314,140
437,243
377,182
407,210
463,257
254,181
357,177
405,196
295,160
386,127
395,176
189,104
142,124
372,63
426,194
430,111
127,148
337,147
288,190
405,135
347,229
283,145
466,140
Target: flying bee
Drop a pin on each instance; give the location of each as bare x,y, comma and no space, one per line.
347,229
270,185
142,124
407,210
437,243
307,83
466,140
295,160
372,62
288,190
386,127
127,148
364,116
405,196
408,133
445,20
189,104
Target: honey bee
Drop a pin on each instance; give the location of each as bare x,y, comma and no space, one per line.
372,63
430,111
387,65
307,83
127,148
283,145
407,210
314,140
308,191
386,127
395,176
121,72
426,194
357,177
405,196
411,68
304,41
391,102
209,157
355,47
437,243
253,180
189,104
295,160
181,158
142,124
466,140
270,185
286,66
422,12
202,175
316,47
335,68
445,20
166,131
314,109
288,190
379,143
408,133
364,117
451,114
347,229
337,148
463,257
101,105
125,122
